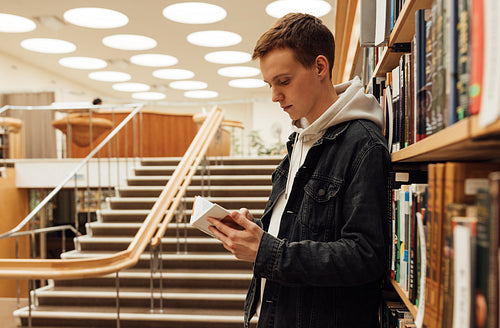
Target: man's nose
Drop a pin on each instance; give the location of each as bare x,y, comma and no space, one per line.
276,96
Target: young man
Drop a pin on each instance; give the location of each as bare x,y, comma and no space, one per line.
319,248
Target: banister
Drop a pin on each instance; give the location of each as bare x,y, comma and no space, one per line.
77,168
93,267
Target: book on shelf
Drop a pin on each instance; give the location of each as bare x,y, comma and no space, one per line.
490,108
464,243
451,38
382,22
203,208
463,58
476,55
367,23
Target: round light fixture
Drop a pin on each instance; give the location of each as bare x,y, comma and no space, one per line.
228,57
214,38
148,95
109,76
48,46
95,17
131,87
194,13
129,42
201,94
83,62
247,83
154,60
15,24
238,71
280,8
188,85
173,74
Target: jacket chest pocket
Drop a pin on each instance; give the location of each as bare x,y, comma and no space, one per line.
318,211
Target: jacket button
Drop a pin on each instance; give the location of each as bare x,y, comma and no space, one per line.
321,192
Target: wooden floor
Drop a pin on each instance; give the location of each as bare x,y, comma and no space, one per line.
7,307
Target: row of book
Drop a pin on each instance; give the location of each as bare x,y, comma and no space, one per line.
456,250
444,75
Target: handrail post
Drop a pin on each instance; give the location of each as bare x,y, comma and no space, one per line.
117,284
160,262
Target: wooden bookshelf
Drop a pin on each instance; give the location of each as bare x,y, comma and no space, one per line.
403,32
463,141
404,297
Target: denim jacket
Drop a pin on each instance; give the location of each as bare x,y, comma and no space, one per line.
324,268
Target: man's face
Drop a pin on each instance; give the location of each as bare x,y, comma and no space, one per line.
295,87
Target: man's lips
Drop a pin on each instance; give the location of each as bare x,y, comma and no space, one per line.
285,108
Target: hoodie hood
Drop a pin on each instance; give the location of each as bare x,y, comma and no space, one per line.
352,104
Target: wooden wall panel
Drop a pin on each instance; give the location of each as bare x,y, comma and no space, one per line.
14,206
163,135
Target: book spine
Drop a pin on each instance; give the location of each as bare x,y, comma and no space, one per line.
476,53
463,61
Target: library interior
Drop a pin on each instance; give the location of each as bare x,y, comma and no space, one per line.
116,115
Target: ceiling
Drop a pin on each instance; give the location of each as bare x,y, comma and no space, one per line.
247,18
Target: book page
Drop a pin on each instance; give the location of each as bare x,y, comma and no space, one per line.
203,208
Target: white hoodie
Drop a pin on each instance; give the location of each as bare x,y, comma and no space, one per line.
352,104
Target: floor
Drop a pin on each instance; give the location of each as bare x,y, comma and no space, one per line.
7,307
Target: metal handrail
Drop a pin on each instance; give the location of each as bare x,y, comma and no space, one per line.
77,168
93,267
41,230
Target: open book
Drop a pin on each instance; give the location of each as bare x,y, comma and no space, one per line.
202,208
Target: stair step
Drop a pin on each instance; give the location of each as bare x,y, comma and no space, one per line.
107,297
88,243
215,180
131,215
247,160
122,229
54,316
179,262
212,170
215,191
193,281
226,202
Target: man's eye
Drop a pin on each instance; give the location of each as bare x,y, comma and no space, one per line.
284,82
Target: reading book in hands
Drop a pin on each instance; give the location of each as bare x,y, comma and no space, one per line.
203,208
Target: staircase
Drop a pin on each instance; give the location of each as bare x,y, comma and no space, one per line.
203,285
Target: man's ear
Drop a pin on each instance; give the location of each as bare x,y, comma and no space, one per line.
321,66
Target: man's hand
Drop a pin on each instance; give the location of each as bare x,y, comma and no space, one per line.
241,240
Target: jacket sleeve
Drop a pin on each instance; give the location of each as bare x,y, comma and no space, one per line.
358,256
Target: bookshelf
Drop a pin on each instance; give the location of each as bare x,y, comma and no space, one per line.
464,141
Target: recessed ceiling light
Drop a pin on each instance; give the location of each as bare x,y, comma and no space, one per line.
228,57
280,8
48,46
201,94
238,71
247,83
194,13
188,85
83,62
95,17
148,95
214,38
129,42
173,74
109,76
15,24
131,87
154,60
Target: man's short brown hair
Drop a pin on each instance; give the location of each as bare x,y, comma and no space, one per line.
305,34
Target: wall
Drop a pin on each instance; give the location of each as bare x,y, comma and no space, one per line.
13,208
